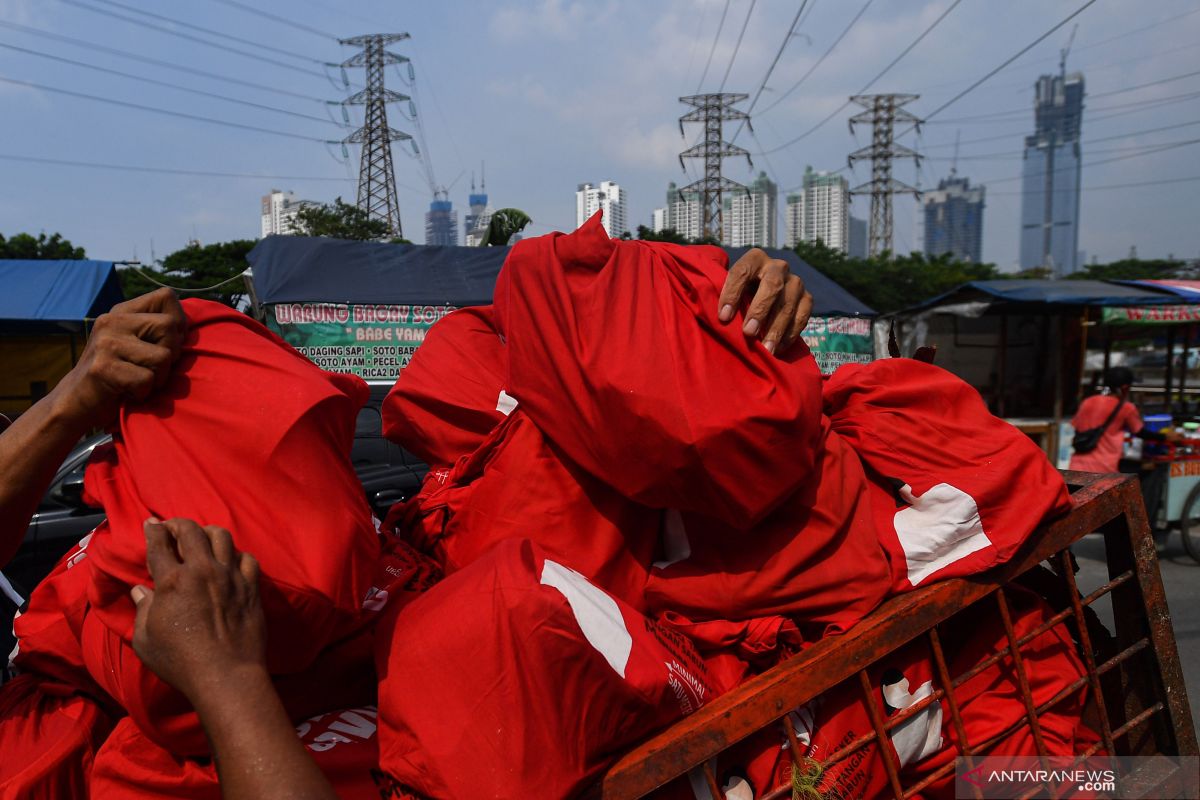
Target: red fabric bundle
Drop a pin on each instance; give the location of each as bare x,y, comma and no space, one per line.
955,489
342,743
515,486
616,354
817,558
445,401
48,738
249,435
544,678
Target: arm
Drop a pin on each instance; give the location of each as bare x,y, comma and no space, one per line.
202,630
781,306
130,353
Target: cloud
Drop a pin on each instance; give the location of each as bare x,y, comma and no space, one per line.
632,146
560,20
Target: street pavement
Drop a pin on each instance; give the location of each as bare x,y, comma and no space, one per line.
1181,580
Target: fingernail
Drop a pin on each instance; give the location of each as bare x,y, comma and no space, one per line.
726,313
751,327
138,593
770,345
153,521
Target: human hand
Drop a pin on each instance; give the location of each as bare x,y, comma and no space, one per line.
781,306
202,624
128,355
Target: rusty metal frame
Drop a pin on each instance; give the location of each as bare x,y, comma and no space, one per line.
1136,685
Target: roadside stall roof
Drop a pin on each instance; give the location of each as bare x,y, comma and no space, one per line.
301,269
1050,292
57,291
1188,290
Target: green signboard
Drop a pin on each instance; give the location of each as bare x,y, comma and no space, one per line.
839,340
374,342
1150,315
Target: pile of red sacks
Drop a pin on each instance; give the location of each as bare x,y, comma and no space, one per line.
630,509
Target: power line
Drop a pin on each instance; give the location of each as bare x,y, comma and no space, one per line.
167,84
1089,141
1009,155
738,46
191,38
1145,85
155,110
1017,114
787,37
211,32
1107,186
164,170
282,20
1007,61
154,61
1152,25
1152,151
869,83
820,60
713,49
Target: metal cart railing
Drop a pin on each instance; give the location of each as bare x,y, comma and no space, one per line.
1133,674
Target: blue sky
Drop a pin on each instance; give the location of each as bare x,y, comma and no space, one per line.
552,93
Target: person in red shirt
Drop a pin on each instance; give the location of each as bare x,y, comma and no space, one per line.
1095,410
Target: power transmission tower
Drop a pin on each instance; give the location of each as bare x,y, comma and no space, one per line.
882,112
712,110
376,177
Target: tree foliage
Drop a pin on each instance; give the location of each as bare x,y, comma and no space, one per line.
665,235
1129,269
342,221
41,247
195,267
889,282
503,225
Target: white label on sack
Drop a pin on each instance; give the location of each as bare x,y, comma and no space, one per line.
918,737
598,615
938,528
505,403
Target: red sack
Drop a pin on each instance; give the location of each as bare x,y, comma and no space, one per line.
516,677
280,481
955,489
342,743
817,558
616,354
447,399
514,486
48,738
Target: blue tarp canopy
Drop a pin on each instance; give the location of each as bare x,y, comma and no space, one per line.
1051,292
57,291
302,269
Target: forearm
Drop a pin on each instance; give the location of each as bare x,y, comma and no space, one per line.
31,450
255,746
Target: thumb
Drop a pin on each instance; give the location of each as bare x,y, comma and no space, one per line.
143,598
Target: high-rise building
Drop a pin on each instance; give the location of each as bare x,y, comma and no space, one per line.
681,213
609,198
954,219
858,238
752,214
1051,176
476,220
441,221
820,210
279,211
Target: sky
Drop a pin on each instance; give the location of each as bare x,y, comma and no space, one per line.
548,94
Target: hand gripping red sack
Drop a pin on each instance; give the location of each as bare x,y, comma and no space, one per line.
448,398
49,736
955,489
516,677
342,743
616,354
249,435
